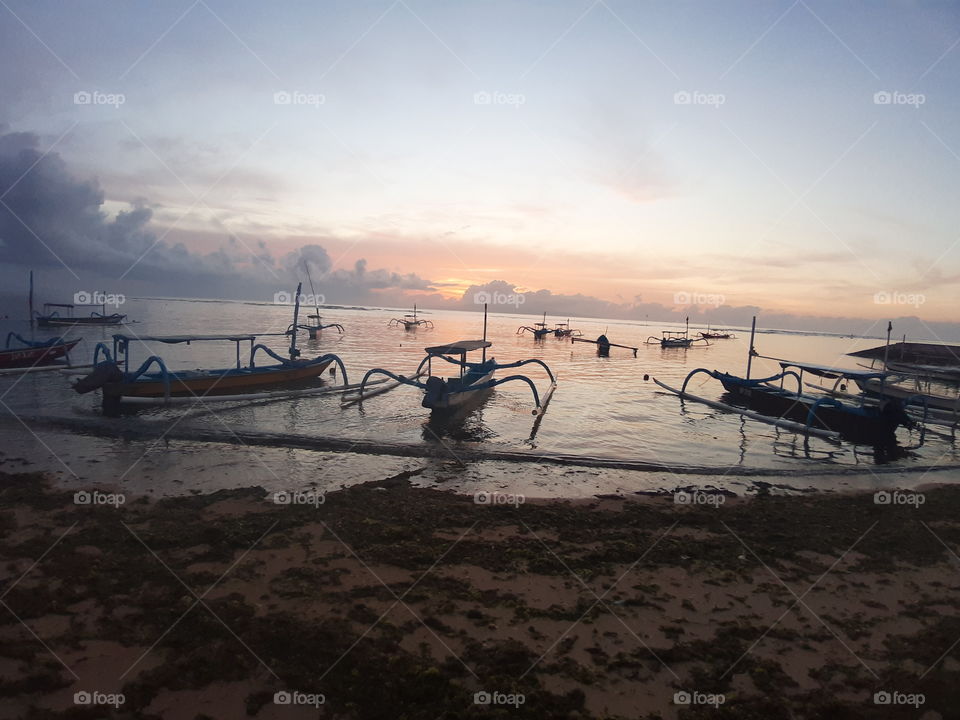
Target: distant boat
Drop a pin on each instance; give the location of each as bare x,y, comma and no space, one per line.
675,339
539,329
709,334
21,353
604,345
410,321
51,317
564,330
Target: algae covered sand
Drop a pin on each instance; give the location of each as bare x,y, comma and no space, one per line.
389,601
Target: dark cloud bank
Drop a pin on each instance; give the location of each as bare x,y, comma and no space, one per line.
53,222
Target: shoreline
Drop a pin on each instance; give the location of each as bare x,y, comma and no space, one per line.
390,599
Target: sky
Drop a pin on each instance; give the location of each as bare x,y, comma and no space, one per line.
795,158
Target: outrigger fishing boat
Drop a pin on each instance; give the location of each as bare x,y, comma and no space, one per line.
768,400
604,345
315,326
121,384
410,321
22,353
539,329
709,334
51,317
675,339
469,385
563,330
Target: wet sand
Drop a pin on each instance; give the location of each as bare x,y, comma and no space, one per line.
392,600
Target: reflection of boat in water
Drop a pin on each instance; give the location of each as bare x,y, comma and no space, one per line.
119,383
22,353
474,378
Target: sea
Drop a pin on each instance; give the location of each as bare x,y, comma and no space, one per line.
605,411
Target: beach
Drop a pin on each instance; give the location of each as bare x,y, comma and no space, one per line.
384,600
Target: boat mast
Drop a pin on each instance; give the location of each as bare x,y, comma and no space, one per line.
316,305
886,353
484,331
750,353
31,299
293,330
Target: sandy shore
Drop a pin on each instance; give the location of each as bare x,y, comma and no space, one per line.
386,600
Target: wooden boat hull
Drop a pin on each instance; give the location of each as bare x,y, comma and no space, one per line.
45,322
460,398
215,382
867,425
34,356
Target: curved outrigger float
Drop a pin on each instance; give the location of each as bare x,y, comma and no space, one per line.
410,321
472,382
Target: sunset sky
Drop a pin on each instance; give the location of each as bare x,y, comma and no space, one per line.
797,156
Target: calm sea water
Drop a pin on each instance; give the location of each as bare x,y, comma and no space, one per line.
602,407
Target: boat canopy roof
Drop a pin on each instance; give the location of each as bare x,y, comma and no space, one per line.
175,339
459,347
832,372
